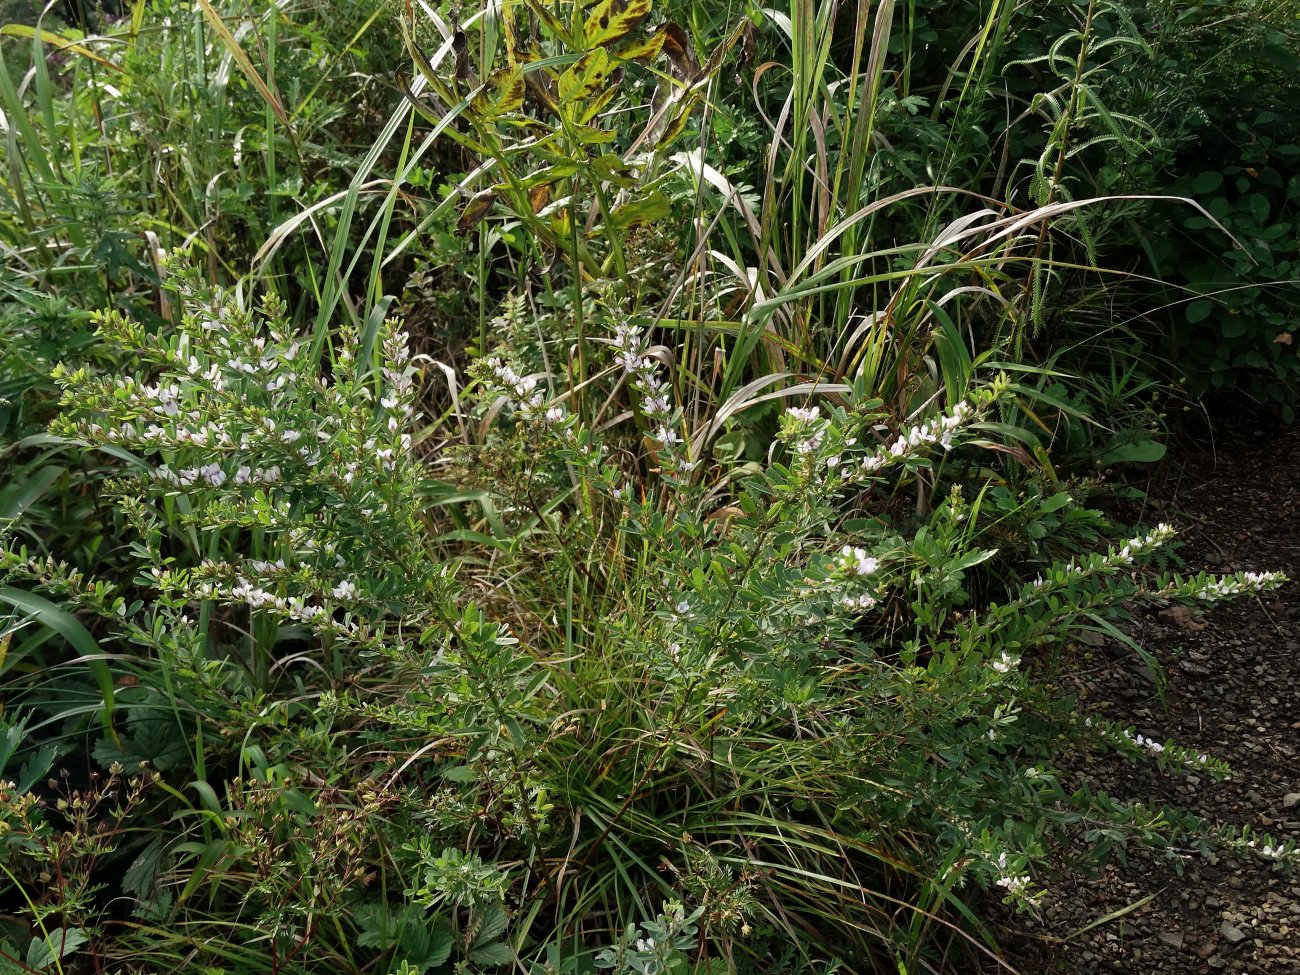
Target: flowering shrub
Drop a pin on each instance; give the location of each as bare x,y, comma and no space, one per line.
587,669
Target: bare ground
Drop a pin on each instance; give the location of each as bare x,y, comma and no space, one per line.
1233,691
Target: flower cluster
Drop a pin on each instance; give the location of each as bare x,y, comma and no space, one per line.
1166,751
1241,584
805,430
939,430
292,607
246,418
1271,851
856,561
522,390
1118,557
1016,884
633,356
1150,744
1137,547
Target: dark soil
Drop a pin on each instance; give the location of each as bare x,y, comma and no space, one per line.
1234,692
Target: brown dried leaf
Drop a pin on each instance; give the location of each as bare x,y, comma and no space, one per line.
474,212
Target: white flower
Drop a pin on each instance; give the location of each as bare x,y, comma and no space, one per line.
667,436
213,474
1004,663
344,590
627,335
631,361
858,562
810,446
804,414
657,406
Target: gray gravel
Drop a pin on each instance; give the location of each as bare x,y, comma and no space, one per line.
1234,691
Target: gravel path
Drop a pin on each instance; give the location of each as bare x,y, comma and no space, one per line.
1234,691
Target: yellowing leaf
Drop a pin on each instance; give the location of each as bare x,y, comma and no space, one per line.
611,20
640,212
474,212
585,77
507,93
644,50
539,196
674,128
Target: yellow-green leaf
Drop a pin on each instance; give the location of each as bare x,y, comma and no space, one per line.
539,196
58,42
637,213
503,93
612,169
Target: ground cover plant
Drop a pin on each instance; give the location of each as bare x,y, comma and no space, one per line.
682,594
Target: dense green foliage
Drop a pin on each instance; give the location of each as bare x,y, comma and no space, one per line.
588,487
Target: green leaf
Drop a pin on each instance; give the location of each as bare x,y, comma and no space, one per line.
1137,452
1207,182
493,954
585,78
1234,326
491,926
638,213
71,629
46,951
1199,311
151,738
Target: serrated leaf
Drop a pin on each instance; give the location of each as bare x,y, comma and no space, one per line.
413,942
439,950
140,877
150,739
612,20
491,924
493,954
45,951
